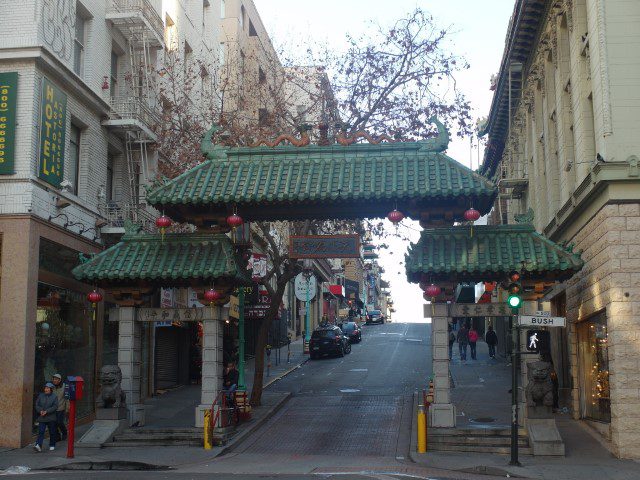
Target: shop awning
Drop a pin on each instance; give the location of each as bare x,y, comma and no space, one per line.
337,290
177,260
488,253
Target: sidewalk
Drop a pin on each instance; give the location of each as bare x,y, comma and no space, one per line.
172,456
482,400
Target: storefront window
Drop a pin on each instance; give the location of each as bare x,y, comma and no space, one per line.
65,340
594,369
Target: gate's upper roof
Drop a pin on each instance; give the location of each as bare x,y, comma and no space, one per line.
321,182
488,253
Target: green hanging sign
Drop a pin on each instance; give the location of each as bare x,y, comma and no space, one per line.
8,106
53,124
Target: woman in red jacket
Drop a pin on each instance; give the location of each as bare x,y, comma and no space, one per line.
473,338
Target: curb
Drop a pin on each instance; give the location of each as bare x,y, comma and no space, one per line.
413,443
252,428
285,373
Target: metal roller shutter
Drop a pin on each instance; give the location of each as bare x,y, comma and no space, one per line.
166,357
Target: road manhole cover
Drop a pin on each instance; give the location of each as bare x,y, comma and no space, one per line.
482,420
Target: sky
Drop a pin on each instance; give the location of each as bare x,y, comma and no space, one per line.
479,29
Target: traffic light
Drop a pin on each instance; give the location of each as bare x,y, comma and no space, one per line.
514,300
538,341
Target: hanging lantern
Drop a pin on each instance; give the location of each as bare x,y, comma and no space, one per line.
94,297
234,220
212,295
515,276
395,216
163,223
432,291
471,215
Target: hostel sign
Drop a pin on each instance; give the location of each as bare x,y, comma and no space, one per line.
53,123
8,105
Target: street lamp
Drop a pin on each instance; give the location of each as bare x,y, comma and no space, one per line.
307,273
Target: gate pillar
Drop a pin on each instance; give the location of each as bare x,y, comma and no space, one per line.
211,361
442,412
130,360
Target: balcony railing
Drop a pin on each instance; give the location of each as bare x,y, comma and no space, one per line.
117,214
133,109
128,13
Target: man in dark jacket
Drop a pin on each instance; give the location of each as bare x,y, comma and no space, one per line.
492,340
46,406
231,376
463,342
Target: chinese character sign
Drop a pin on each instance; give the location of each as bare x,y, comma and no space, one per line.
8,101
53,121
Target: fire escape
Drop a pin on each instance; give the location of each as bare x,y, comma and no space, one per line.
134,109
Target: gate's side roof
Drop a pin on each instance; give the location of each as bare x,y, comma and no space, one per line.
489,252
360,180
178,259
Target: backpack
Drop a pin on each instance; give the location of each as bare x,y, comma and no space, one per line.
452,337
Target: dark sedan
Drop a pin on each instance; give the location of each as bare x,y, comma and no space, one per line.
352,331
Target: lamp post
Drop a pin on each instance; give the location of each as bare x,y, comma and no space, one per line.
241,380
307,272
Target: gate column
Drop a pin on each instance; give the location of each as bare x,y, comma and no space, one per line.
442,411
129,360
211,361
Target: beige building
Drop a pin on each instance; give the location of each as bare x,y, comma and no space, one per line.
563,141
81,85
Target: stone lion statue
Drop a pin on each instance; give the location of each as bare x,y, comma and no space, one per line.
539,391
111,394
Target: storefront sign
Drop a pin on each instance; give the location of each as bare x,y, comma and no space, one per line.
172,314
258,266
53,122
324,246
258,310
8,106
305,287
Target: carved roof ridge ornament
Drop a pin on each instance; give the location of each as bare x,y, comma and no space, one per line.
131,229
303,141
525,218
208,148
439,143
343,139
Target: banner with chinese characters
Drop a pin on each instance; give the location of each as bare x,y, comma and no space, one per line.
53,122
8,105
324,246
173,314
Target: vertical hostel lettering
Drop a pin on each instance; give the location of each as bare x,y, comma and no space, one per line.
8,107
52,133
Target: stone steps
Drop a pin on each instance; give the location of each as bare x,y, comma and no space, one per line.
140,437
480,440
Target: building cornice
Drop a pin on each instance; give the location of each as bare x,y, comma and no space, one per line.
57,70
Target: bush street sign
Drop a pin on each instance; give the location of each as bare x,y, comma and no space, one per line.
541,321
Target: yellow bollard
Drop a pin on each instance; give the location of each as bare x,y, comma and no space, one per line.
208,445
422,430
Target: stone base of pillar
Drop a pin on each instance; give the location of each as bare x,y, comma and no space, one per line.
442,415
136,414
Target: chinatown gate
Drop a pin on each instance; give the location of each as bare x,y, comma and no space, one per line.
345,180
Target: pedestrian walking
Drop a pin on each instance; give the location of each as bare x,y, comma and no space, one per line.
473,339
463,341
492,340
63,407
452,339
46,406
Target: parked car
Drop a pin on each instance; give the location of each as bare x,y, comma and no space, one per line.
352,331
375,316
328,340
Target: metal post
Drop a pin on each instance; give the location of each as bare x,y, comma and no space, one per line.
71,431
422,429
307,334
241,379
515,371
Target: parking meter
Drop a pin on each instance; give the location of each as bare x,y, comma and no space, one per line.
73,390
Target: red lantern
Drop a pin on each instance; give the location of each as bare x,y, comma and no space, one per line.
395,216
515,276
432,291
94,297
212,295
235,220
163,222
471,215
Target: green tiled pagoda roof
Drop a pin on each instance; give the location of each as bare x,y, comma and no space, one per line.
488,253
331,181
179,259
